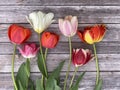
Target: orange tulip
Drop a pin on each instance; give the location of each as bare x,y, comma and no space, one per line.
18,34
49,40
92,34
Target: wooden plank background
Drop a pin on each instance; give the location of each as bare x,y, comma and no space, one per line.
89,12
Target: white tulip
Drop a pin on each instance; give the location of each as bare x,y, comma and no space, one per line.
40,21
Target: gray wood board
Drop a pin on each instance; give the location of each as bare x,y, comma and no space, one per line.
59,2
86,14
108,62
102,47
111,80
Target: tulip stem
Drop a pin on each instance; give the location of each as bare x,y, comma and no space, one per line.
76,69
41,51
69,64
97,65
13,59
46,51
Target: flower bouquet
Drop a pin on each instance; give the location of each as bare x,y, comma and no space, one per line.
48,40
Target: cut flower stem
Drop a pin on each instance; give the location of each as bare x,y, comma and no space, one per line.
43,56
13,60
41,51
69,64
97,65
76,69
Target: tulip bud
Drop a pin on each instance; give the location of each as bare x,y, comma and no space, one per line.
49,40
81,56
92,34
68,26
40,21
29,50
18,34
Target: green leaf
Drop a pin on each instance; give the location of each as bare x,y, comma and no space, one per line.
31,85
39,85
99,85
27,67
76,85
22,76
51,84
40,63
20,86
56,73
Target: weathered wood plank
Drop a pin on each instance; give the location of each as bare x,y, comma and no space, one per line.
108,62
110,80
59,2
112,34
102,47
86,14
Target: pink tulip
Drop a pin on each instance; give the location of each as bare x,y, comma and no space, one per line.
69,25
29,50
81,56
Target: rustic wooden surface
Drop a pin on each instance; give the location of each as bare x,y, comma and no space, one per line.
89,12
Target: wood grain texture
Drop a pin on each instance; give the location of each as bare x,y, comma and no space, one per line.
89,12
111,80
59,2
86,14
112,33
108,62
102,47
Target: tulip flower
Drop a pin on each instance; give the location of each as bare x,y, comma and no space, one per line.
40,21
49,40
92,34
69,25
68,28
81,56
29,50
18,34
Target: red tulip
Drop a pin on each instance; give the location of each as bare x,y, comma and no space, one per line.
49,40
18,34
81,56
92,34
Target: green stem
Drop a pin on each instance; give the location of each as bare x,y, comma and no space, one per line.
42,56
46,51
28,66
13,59
76,69
97,65
69,64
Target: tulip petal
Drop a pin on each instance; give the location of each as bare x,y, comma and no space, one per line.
79,58
88,37
67,27
21,50
30,21
69,17
60,22
102,33
80,34
74,22
34,19
40,25
96,32
48,19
